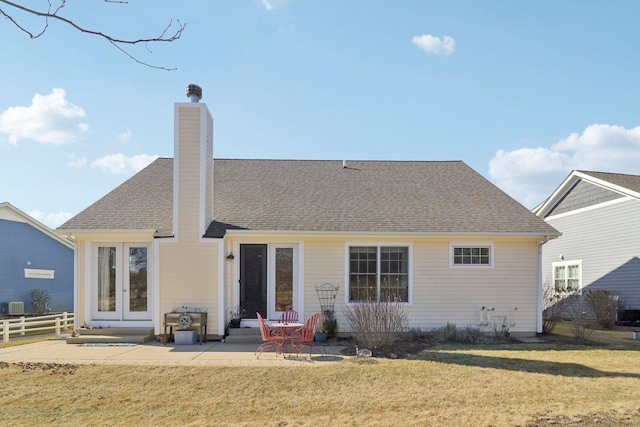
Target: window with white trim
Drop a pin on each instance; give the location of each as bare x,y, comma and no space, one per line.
463,255
378,273
567,276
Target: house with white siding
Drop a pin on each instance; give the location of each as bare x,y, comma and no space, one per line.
597,214
213,234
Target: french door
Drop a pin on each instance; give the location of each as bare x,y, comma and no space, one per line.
122,290
268,278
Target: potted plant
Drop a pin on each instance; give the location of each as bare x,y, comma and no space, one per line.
327,327
235,316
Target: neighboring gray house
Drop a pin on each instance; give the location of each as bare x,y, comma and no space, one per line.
597,214
32,257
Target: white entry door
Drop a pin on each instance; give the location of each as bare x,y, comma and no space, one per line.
122,283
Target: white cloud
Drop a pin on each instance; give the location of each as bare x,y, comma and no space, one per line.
52,220
119,164
273,4
531,174
125,136
76,162
50,119
435,45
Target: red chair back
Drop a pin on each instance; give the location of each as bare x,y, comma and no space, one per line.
289,316
265,331
309,329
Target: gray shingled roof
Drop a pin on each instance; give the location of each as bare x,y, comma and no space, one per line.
143,202
631,182
311,195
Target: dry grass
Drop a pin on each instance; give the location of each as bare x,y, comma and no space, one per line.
506,385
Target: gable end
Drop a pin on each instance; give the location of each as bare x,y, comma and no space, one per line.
583,194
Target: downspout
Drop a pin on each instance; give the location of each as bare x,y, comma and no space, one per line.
76,298
539,311
222,285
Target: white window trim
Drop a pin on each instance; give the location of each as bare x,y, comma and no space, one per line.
453,245
409,246
565,264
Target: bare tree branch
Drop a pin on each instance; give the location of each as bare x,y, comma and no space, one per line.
117,42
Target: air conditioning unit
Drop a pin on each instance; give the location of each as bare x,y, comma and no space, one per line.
16,308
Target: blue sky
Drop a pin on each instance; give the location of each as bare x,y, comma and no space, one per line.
523,92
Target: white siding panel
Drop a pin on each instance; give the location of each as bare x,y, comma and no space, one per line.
189,277
441,294
324,263
456,295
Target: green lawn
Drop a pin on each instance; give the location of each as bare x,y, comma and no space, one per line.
484,385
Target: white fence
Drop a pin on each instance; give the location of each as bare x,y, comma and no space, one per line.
22,326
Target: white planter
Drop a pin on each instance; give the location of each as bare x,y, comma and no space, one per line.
636,335
185,337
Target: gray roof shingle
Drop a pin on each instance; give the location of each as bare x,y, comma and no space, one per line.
321,195
143,202
631,182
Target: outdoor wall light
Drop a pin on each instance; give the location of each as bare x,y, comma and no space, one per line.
230,256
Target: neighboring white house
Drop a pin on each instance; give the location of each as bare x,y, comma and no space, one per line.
597,214
195,232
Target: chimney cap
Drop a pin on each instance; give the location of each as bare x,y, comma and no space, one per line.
194,92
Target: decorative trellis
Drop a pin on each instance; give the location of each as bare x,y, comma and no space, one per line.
327,295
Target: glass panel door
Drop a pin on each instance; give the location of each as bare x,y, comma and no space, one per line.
282,280
121,282
136,286
107,279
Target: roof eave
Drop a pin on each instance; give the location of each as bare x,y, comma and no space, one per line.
73,233
533,234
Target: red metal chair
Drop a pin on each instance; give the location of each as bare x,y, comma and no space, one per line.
271,340
305,335
289,316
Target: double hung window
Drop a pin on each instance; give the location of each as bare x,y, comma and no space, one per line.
567,276
378,273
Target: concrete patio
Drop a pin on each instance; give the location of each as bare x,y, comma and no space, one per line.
207,354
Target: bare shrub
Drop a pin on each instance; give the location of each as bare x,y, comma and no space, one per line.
603,306
468,335
554,307
500,326
577,319
40,299
376,323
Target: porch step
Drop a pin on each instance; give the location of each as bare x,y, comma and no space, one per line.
112,335
243,335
